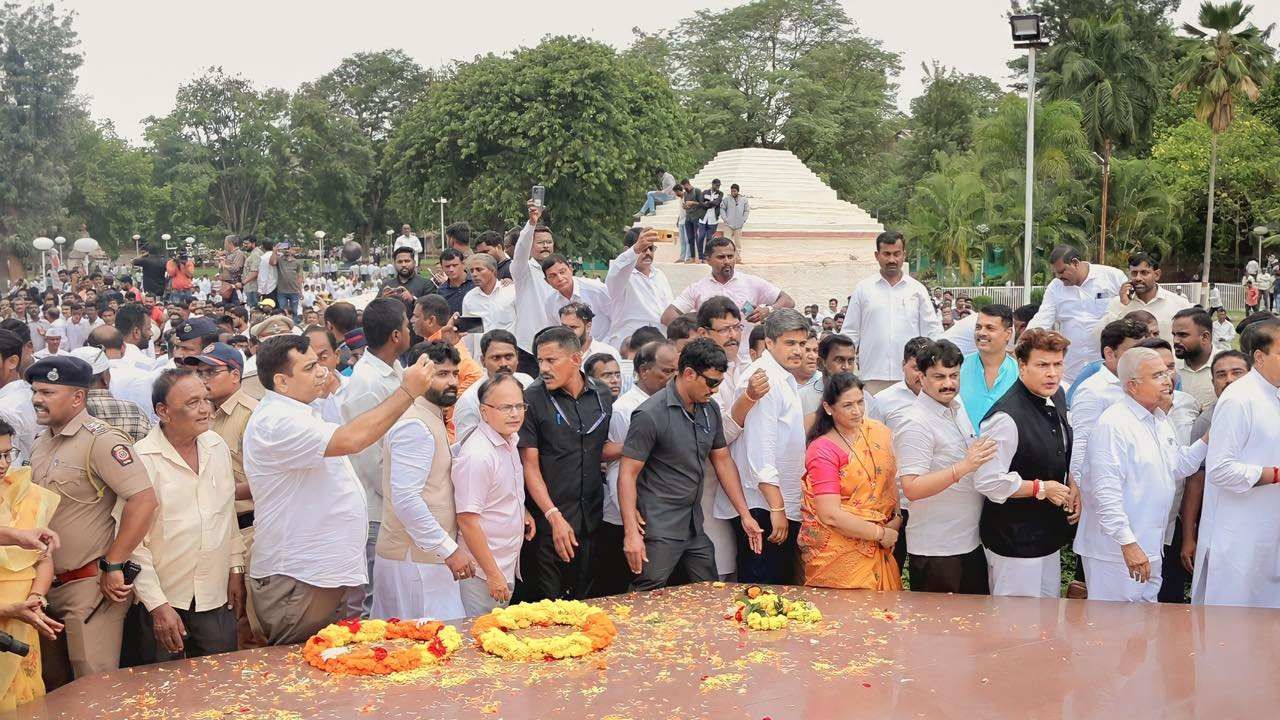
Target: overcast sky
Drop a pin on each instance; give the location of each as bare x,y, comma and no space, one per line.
137,52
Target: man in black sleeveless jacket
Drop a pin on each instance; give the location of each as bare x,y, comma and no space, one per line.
1031,506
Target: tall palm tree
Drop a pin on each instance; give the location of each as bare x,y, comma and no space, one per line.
1105,71
946,214
1224,65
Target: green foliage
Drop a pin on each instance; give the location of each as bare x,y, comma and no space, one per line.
225,132
1227,66
111,188
947,215
38,117
1145,214
570,114
371,90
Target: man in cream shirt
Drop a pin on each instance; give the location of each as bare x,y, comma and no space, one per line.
1142,291
192,579
1074,301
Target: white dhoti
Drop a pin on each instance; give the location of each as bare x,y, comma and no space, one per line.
406,589
1109,580
1025,577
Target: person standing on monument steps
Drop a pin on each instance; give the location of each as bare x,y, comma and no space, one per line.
736,209
885,311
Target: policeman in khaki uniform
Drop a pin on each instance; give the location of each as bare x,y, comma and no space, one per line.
221,367
90,465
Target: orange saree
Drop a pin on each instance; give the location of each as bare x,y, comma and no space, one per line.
864,480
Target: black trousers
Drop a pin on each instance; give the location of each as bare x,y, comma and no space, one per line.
965,573
208,633
777,564
900,547
1173,576
611,576
696,556
545,575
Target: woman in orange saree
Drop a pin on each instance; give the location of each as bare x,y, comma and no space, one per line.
850,518
25,577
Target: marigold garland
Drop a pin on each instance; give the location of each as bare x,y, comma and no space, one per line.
595,631
354,647
766,610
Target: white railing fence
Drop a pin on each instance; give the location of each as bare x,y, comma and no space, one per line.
1232,293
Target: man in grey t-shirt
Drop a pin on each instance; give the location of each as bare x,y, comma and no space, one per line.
289,280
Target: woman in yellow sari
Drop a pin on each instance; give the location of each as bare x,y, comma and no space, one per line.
850,518
25,577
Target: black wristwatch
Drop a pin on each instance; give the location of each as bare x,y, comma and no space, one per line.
107,567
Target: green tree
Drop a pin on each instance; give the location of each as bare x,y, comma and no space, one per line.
38,115
373,90
1145,213
1227,65
111,187
225,132
947,215
1247,182
1103,69
570,114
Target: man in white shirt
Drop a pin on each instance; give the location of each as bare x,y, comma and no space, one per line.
1238,551
770,453
893,403
885,311
938,451
580,318
1142,291
497,355
1135,461
375,377
192,579
1224,331
534,244
408,239
566,289
15,394
1100,391
419,561
491,301
77,327
655,365
1192,336
310,515
268,276
53,338
1075,300
638,291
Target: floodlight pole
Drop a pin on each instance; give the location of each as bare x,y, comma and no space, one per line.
1031,148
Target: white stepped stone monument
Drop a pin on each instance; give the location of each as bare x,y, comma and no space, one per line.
799,234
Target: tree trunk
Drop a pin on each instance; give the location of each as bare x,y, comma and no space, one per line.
1106,186
1208,225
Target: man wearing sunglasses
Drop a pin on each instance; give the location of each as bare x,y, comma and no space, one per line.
563,441
673,436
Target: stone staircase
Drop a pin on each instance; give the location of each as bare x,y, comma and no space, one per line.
799,235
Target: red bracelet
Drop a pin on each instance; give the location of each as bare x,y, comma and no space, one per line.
1275,475
1035,489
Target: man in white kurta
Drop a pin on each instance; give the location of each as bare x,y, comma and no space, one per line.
1074,301
1238,553
885,311
639,291
1100,390
1135,462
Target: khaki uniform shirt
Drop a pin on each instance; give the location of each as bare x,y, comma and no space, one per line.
229,422
89,464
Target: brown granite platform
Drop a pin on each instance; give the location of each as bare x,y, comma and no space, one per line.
876,655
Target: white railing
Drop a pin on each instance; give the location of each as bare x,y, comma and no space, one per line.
1232,293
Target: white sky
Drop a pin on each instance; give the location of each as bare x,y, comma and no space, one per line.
137,52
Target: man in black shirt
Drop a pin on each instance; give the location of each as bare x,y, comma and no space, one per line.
456,284
562,444
153,266
490,241
693,213
407,278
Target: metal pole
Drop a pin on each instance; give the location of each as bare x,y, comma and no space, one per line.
442,224
1031,142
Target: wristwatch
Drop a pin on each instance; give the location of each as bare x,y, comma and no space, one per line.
1040,491
107,567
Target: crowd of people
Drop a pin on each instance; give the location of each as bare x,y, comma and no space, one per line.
194,472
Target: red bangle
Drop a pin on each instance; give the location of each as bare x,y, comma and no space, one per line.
1035,489
1275,475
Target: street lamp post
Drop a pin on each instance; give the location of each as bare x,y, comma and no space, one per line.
1027,34
441,201
44,245
1261,231
319,235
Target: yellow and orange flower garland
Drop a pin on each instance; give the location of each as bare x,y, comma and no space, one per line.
594,630
766,610
356,647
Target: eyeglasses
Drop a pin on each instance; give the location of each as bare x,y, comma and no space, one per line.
712,383
512,409
1164,375
728,328
205,373
11,455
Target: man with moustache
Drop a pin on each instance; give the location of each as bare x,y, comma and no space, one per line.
1142,291
419,562
1192,335
638,291
1025,519
988,373
498,355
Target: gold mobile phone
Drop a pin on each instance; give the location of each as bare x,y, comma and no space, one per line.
666,234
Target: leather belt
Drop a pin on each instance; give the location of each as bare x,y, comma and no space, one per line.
245,519
90,569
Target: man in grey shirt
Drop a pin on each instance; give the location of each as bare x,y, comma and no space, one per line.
673,435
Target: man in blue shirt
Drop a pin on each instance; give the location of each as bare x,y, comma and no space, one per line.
988,374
